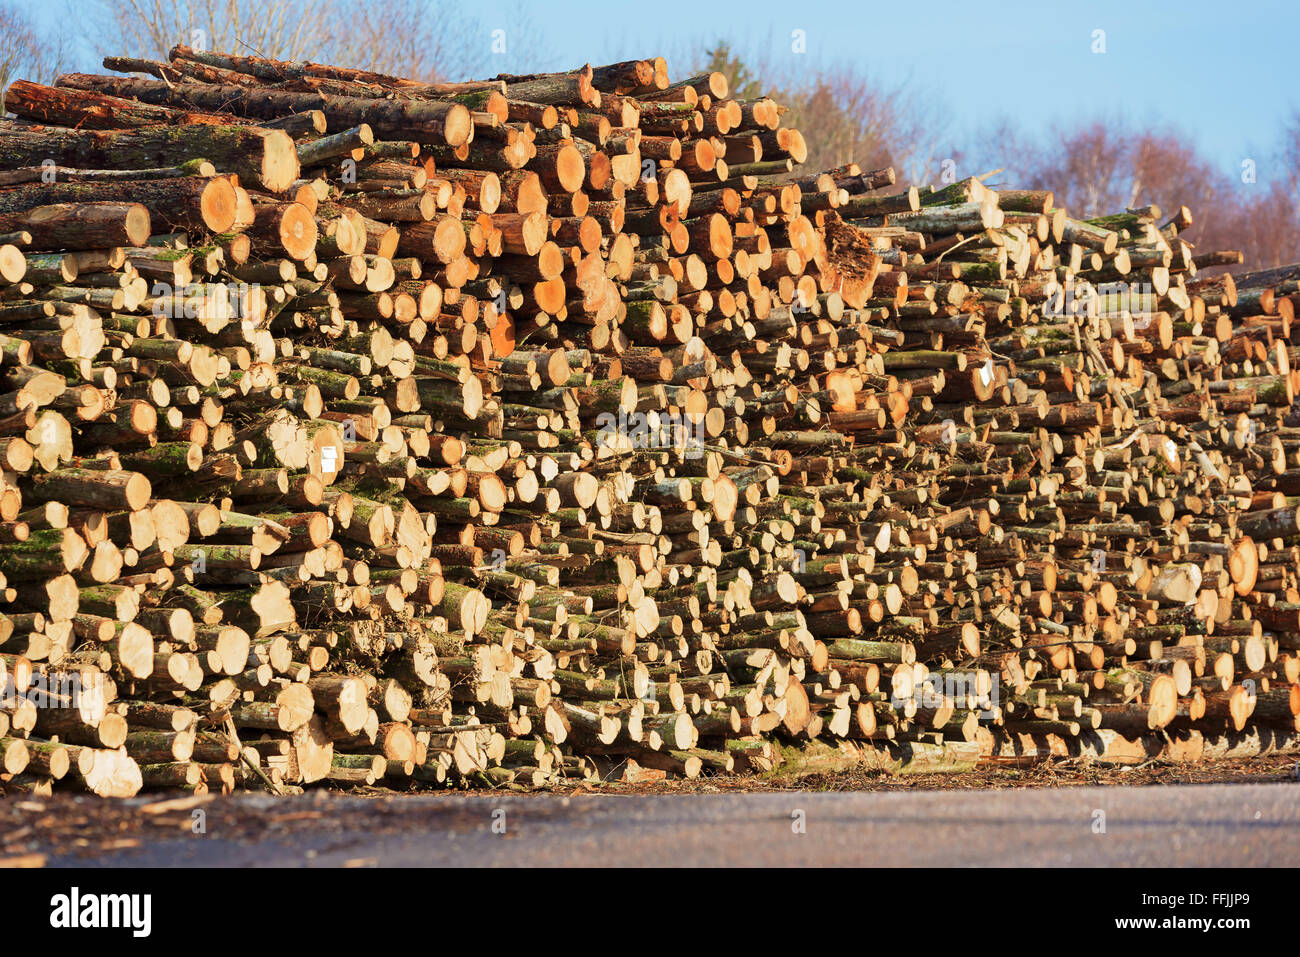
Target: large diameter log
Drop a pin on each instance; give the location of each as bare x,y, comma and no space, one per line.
290,225
465,608
555,89
82,225
264,158
261,611
226,647
442,240
1273,523
447,121
108,774
291,710
313,751
1094,237
44,555
84,110
560,167
133,650
1243,565
949,219
184,203
343,699
577,488
13,265
1162,701
1234,706
1177,584
108,490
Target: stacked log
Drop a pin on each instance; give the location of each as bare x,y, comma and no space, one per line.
363,431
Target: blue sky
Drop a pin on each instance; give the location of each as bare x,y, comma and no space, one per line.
1222,73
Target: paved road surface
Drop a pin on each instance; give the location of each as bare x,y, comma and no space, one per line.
1198,825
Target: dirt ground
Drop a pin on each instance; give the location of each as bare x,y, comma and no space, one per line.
1271,768
32,828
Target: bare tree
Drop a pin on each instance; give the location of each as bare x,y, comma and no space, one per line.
844,115
1086,168
370,38
411,38
23,54
275,28
406,37
1288,157
846,119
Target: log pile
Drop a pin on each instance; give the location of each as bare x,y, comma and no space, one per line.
357,431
